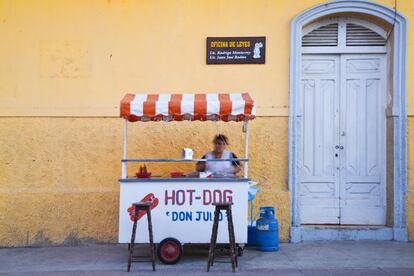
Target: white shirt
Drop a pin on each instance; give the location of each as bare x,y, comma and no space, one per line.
222,167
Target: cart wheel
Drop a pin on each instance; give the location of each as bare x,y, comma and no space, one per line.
240,251
169,251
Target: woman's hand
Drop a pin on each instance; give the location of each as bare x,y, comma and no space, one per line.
201,166
236,169
233,170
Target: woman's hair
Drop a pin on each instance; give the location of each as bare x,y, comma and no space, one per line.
221,137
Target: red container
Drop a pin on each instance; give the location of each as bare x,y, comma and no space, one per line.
143,175
177,174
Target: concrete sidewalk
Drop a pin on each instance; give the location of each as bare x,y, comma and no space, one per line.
308,258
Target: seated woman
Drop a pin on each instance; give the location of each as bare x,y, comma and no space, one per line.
229,168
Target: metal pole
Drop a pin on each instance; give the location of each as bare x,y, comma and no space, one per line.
124,155
246,148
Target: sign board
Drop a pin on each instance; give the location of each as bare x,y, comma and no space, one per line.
236,50
183,210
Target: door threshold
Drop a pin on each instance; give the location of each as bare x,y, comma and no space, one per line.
341,232
343,226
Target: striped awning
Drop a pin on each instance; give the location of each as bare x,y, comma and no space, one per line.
178,107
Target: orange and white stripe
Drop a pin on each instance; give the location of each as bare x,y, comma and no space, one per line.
177,107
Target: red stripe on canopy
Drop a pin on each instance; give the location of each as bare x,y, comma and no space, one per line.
174,106
149,104
126,104
249,103
200,106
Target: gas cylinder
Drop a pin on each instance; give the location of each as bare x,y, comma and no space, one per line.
267,230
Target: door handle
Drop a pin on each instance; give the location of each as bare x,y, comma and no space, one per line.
337,147
341,147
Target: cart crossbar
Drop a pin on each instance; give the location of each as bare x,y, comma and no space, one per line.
182,160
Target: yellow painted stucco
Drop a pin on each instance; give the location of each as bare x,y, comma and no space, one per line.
60,179
78,58
64,67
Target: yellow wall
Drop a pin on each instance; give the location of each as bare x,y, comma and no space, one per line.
64,67
60,179
77,58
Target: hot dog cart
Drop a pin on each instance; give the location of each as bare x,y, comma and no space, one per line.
182,210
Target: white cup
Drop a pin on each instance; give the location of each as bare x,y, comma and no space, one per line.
187,153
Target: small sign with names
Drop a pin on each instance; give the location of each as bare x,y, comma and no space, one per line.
236,50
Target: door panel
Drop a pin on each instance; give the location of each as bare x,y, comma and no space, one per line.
319,181
362,197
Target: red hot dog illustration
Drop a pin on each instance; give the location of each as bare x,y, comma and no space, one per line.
148,198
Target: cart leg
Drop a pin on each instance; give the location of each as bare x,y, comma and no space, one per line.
231,240
131,245
213,240
129,262
234,241
151,240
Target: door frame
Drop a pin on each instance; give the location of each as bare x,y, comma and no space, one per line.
396,114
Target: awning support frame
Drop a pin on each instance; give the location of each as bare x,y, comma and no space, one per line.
125,161
246,148
124,155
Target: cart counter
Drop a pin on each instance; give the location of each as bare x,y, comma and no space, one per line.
182,208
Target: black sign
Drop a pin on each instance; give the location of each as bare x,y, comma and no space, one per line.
236,50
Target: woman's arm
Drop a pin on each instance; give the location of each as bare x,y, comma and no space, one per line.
236,164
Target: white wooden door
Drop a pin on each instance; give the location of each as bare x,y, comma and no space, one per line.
362,140
342,150
319,177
